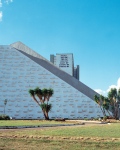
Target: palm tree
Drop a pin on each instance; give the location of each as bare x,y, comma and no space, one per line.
114,97
110,103
46,108
39,94
32,94
46,93
43,95
106,105
99,101
50,93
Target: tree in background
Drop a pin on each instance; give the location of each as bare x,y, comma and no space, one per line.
114,97
5,103
103,102
44,97
110,103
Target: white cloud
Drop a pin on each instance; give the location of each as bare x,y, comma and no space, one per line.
8,1
118,83
117,86
101,92
111,87
0,3
1,14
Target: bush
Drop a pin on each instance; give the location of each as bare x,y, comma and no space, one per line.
59,119
4,117
105,118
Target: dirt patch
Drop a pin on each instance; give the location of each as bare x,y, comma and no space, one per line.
62,138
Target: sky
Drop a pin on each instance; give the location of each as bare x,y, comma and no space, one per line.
90,29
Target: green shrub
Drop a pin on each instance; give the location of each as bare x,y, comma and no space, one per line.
105,118
4,117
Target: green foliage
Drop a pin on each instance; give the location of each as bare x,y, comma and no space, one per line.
105,118
4,117
46,107
44,91
50,92
37,91
43,95
31,92
106,106
96,98
110,103
112,93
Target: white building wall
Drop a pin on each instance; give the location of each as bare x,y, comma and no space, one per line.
18,74
65,62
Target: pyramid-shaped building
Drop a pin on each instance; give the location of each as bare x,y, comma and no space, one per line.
22,69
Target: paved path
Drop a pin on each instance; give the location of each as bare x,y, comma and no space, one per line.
77,123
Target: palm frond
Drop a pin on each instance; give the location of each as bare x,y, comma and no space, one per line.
50,92
46,107
31,92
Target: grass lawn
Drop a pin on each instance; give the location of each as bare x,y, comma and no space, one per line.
83,137
37,144
30,122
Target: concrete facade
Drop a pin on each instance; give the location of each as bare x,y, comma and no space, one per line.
76,72
65,61
22,69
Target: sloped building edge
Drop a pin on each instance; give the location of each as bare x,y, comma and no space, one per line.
55,70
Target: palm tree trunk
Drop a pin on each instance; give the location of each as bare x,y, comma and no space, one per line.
108,113
35,100
116,112
102,110
45,114
40,98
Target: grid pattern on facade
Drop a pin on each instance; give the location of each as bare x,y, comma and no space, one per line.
19,73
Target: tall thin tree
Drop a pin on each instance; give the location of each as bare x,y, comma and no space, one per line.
43,96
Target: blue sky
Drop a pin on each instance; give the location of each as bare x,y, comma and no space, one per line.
90,29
